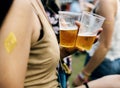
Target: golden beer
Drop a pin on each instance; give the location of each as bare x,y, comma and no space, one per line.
85,42
68,37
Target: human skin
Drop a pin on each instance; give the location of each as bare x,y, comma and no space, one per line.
22,22
111,81
13,65
109,12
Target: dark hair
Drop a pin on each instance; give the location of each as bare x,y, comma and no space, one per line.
4,7
44,2
53,5
63,7
50,4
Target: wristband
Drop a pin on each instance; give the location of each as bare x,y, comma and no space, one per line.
82,78
86,85
87,74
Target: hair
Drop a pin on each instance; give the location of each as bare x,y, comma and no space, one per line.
4,7
50,4
44,2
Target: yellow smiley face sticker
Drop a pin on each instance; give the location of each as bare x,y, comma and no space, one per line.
10,42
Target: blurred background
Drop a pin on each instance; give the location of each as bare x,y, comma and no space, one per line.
77,64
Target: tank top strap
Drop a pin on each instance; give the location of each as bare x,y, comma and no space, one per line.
39,10
118,7
95,6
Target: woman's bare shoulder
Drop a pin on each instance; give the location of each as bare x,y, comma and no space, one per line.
108,2
20,11
22,5
106,7
18,19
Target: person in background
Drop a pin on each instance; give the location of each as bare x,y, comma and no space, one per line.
65,6
90,1
81,5
104,58
76,6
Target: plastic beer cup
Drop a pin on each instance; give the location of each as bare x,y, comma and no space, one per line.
68,28
90,25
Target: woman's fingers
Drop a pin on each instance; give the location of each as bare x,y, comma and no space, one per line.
77,23
98,35
99,31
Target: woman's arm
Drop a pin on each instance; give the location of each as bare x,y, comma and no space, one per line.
111,81
68,51
15,40
108,11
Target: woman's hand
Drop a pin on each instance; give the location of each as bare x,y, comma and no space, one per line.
81,78
77,82
98,35
98,32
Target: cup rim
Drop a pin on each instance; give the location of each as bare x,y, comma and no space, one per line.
70,13
96,15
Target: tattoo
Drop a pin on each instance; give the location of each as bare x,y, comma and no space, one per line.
10,42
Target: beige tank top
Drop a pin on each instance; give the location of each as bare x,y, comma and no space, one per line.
44,56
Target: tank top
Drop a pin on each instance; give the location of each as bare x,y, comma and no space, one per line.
44,56
114,52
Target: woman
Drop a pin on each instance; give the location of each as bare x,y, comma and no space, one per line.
104,58
29,52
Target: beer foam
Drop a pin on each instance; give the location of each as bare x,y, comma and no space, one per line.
86,34
69,28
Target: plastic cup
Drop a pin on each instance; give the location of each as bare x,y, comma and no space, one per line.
68,28
90,25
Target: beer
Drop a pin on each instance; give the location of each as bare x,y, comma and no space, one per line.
68,37
85,42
